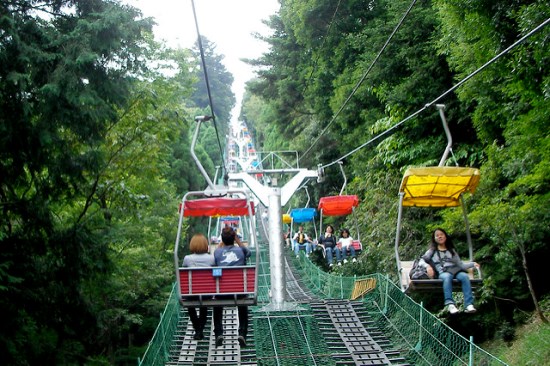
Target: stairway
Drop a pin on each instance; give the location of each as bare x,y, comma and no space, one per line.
351,335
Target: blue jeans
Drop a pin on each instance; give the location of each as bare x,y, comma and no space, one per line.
351,252
329,251
447,279
297,247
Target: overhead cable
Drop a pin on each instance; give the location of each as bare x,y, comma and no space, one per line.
391,129
322,46
211,104
362,79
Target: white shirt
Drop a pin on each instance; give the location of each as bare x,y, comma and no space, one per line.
346,242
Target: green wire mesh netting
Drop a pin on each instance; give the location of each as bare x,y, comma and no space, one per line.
410,327
158,350
294,337
290,338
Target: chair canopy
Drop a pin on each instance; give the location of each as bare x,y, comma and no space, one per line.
233,221
287,219
437,186
217,207
300,215
338,205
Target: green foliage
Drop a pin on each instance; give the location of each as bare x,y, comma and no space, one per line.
219,82
498,119
88,194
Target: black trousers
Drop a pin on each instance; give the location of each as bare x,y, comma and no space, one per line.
198,321
243,320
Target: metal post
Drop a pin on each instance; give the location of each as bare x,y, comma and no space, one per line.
471,359
386,295
341,164
397,234
278,282
441,108
418,346
199,120
468,234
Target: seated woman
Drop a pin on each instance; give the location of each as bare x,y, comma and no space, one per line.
300,241
199,257
346,241
328,241
448,266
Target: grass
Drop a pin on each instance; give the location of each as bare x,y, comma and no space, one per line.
531,346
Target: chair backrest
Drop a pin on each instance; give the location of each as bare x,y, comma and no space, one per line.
216,285
433,284
355,243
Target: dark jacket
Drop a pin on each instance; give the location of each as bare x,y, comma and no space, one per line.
328,242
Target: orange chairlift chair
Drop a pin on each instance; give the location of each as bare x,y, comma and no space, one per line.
435,187
341,205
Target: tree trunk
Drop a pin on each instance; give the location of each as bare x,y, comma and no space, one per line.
530,285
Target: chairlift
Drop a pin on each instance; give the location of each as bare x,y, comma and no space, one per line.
216,286
287,219
435,187
211,286
341,205
303,215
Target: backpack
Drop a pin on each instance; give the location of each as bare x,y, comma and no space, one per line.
418,272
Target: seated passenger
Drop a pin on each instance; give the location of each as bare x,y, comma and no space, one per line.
300,241
233,253
286,238
328,241
448,265
199,257
346,241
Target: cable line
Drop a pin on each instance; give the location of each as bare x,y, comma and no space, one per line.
362,79
211,104
495,58
320,48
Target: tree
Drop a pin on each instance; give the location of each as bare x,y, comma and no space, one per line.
220,82
510,106
67,70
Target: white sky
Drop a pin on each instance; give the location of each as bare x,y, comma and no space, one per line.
227,23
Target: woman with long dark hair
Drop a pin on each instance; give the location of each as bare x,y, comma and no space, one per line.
448,265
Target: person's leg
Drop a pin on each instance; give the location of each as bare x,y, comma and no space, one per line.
338,254
447,279
328,252
203,315
193,317
466,288
352,251
308,248
344,253
243,320
218,320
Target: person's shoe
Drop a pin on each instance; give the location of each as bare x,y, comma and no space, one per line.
354,260
330,265
297,255
452,309
470,309
345,261
219,341
242,341
339,263
198,336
